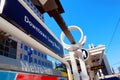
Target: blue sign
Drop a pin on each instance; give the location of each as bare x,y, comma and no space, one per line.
15,13
5,75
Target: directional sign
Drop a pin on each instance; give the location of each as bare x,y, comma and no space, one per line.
17,14
85,54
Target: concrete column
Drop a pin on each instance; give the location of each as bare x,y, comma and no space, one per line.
74,66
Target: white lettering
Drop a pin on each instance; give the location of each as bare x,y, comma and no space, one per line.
27,20
57,46
51,41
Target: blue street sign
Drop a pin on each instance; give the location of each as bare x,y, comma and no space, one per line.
15,13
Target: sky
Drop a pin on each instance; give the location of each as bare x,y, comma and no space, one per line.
99,20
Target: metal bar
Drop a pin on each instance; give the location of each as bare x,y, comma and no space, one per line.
55,14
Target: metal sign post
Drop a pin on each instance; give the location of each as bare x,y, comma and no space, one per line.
75,51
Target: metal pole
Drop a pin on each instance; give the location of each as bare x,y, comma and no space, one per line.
55,14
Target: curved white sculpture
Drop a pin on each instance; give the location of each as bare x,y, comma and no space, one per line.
76,46
75,52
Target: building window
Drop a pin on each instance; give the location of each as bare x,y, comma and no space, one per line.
42,63
6,54
42,55
39,62
30,51
12,53
25,57
20,55
45,56
35,60
13,44
21,46
30,59
38,53
25,47
7,43
47,64
35,52
8,48
1,52
51,66
1,47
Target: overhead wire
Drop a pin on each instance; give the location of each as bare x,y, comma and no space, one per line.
117,63
113,35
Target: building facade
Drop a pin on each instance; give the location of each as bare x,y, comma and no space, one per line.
32,55
14,48
106,70
8,47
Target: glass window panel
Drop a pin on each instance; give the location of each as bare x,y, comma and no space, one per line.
21,46
1,52
25,57
6,54
1,47
42,55
25,47
7,49
45,56
35,60
39,62
20,55
39,53
30,59
35,52
7,43
13,44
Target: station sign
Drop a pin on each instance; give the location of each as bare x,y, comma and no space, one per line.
97,67
14,12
